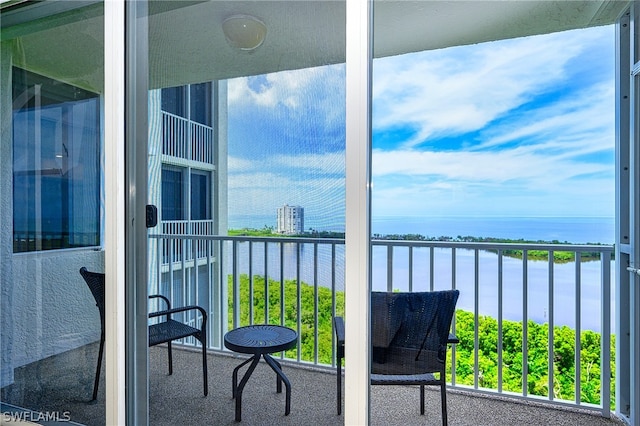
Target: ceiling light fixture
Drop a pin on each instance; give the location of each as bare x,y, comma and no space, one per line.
244,32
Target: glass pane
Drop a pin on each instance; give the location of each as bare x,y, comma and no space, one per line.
56,168
264,128
485,136
51,181
172,202
200,98
200,196
174,101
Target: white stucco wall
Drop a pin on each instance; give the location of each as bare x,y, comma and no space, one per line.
6,219
45,306
52,309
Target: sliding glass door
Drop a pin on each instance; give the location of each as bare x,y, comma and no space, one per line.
51,210
243,105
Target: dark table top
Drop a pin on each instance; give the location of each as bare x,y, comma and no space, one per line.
260,339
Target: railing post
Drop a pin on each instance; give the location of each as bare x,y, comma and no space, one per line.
525,324
500,336
389,268
236,286
250,282
266,283
605,336
550,325
578,332
476,318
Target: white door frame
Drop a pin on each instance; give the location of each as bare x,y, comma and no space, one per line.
628,216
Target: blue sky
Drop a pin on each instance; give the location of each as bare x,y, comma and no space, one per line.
521,127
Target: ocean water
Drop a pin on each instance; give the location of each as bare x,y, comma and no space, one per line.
576,230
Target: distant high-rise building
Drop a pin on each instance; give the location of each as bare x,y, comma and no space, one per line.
290,220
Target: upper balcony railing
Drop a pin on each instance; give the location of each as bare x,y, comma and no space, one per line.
537,315
186,139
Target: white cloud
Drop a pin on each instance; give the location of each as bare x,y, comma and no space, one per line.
579,125
499,167
528,163
278,180
513,182
555,159
333,163
318,91
464,88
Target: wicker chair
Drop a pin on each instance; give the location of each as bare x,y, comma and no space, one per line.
165,330
410,336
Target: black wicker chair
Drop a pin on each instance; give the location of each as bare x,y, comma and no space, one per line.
165,330
410,334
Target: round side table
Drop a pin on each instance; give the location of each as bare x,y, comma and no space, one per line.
260,341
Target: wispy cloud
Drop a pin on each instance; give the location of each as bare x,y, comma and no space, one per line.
310,96
516,127
462,89
577,123
506,128
314,181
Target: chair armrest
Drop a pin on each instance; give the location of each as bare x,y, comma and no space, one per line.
159,296
453,339
338,325
168,313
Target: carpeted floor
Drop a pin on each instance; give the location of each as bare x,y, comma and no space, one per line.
63,385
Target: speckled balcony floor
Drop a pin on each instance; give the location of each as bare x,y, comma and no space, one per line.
63,384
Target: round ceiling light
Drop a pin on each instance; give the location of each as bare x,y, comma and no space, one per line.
244,32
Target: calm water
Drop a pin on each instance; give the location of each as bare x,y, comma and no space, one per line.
574,230
577,230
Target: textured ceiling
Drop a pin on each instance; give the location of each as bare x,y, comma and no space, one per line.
186,43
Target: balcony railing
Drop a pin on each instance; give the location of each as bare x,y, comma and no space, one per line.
299,282
186,139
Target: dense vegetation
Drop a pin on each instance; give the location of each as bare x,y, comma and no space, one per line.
320,301
564,367
267,231
288,314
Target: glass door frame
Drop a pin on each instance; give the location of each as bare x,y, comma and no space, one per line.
136,163
628,215
126,74
117,401
359,63
126,197
126,329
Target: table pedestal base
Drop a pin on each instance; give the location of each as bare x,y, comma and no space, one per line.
280,377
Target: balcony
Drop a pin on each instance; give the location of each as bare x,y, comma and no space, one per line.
559,287
186,139
500,285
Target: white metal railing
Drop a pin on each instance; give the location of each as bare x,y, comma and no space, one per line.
186,139
477,268
499,280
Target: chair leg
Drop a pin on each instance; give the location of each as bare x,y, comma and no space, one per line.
422,400
204,367
96,382
170,358
339,381
443,397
